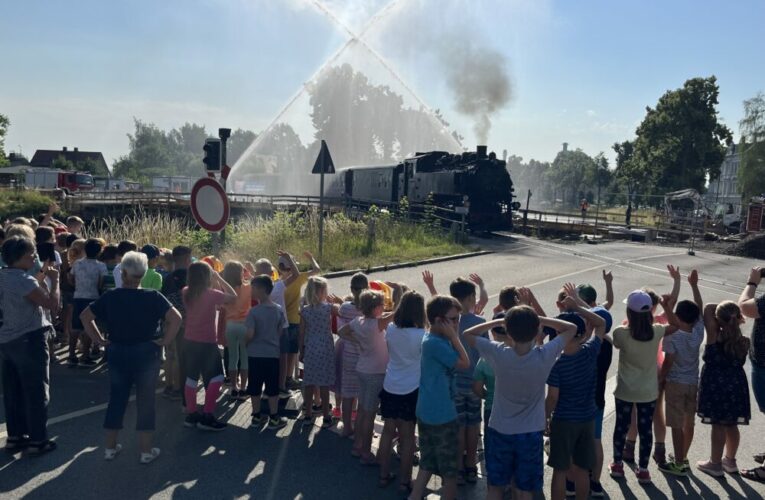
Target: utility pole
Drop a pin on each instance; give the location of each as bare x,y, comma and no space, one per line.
223,134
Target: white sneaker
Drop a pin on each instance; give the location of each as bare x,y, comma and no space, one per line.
110,453
147,458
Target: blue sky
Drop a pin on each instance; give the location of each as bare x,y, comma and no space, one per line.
75,73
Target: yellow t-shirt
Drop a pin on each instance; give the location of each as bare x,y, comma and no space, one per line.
637,378
292,298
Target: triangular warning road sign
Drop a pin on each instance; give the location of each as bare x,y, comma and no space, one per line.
324,163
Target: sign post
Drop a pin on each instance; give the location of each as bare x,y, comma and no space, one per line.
323,165
209,205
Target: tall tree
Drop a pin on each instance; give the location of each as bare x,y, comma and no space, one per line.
239,141
92,166
751,172
62,163
568,174
4,124
365,123
150,154
681,139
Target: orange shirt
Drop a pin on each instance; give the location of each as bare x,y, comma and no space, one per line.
237,311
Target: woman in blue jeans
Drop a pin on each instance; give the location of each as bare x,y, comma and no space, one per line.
133,317
24,346
755,308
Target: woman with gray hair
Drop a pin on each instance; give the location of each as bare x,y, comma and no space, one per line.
133,317
23,345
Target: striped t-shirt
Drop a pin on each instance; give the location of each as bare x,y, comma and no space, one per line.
575,376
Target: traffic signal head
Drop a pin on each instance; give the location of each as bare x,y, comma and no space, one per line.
212,155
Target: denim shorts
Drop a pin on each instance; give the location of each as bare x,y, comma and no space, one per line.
288,341
79,306
370,387
515,458
135,365
758,385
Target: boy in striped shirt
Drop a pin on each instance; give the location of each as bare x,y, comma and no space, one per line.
571,403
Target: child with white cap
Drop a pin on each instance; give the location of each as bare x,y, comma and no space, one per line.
636,382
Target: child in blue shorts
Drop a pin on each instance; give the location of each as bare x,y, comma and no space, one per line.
517,419
442,354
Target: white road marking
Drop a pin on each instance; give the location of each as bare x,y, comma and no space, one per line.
76,414
603,262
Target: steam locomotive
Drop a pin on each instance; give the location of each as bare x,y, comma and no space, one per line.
473,180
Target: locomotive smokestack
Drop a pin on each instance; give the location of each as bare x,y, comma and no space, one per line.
481,151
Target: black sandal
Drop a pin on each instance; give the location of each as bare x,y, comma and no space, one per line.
41,448
14,444
760,458
756,474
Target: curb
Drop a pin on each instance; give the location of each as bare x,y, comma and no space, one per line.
400,265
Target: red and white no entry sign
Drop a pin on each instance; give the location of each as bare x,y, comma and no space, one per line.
209,205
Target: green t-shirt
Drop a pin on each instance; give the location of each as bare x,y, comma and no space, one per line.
485,374
637,378
152,280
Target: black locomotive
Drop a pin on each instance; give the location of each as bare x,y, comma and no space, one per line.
474,180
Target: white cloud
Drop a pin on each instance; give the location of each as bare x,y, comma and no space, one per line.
591,112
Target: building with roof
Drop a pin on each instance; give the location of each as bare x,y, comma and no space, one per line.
44,158
724,190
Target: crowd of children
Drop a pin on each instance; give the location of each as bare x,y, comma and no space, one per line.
536,382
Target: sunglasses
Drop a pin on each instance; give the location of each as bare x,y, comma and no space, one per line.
452,319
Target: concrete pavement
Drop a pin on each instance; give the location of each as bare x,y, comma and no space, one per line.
312,463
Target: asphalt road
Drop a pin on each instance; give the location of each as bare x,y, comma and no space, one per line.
297,463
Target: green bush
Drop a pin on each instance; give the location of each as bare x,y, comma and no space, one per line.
19,203
348,243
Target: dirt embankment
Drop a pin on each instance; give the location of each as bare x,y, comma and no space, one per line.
752,246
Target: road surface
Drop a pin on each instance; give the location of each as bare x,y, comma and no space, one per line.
299,463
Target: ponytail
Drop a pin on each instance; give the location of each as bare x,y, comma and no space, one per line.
733,342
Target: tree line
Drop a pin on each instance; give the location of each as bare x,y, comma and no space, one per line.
679,144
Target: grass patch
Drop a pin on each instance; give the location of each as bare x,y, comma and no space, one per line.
22,203
348,244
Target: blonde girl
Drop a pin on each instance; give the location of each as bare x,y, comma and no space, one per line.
723,387
317,348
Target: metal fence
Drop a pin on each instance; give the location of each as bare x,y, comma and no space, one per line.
446,217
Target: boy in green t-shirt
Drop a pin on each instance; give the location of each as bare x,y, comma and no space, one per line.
152,280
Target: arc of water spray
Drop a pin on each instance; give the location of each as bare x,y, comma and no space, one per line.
353,39
385,64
